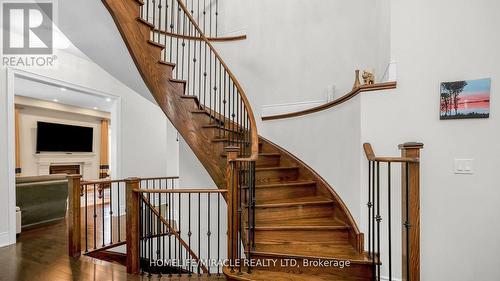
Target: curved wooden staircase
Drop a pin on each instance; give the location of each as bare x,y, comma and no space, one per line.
298,215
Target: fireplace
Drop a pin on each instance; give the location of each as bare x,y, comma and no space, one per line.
65,169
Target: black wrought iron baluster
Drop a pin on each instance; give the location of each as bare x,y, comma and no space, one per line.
369,205
164,228
199,230
160,7
233,115
95,218
210,15
170,229
218,234
177,68
141,234
220,100
150,232
183,44
189,229
200,63
253,203
407,219
379,219
216,18
204,16
141,11
210,85
154,17
224,102
176,230
110,213
118,210
205,77
240,211
179,227
389,217
165,30
209,233
188,62
157,217
229,111
85,188
102,212
172,16
372,250
194,62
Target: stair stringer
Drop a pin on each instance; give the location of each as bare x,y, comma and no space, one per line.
168,94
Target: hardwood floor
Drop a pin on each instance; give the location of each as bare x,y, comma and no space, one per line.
41,254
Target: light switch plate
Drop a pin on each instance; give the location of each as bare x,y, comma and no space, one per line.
464,166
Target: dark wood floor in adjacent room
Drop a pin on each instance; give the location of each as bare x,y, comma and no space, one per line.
41,254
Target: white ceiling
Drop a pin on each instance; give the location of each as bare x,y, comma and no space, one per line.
43,91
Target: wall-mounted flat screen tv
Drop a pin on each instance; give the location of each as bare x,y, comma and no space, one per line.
52,137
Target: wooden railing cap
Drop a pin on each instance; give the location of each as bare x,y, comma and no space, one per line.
410,145
74,176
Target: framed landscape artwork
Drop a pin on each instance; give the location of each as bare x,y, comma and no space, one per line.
465,99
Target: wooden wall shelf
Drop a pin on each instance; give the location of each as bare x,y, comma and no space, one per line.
340,100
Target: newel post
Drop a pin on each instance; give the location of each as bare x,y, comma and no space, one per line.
73,218
132,225
232,202
411,212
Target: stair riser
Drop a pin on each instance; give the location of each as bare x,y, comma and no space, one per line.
285,192
299,236
193,105
166,70
293,212
155,51
268,161
353,272
274,176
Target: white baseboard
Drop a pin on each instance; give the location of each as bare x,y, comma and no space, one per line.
4,239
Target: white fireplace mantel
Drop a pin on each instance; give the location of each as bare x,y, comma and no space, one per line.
45,160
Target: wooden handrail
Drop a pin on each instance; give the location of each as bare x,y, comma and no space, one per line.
253,126
370,155
185,190
101,181
340,100
212,39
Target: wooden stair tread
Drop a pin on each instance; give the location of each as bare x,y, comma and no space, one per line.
159,45
324,250
266,275
141,20
310,200
167,63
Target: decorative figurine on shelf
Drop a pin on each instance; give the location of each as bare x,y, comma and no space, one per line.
357,83
368,77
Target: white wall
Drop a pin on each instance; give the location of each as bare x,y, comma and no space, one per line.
436,41
294,51
28,118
